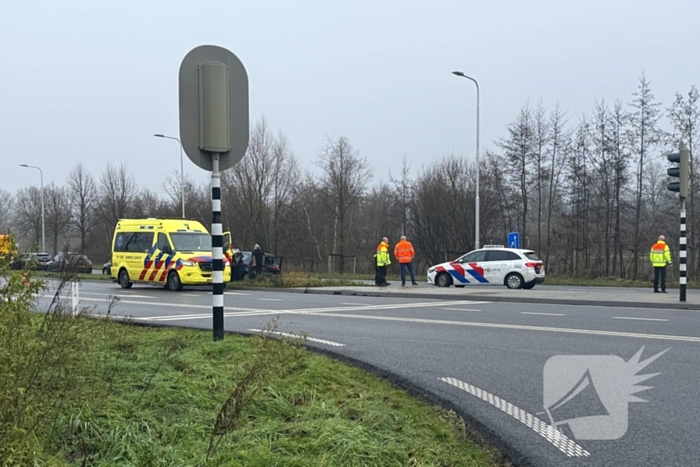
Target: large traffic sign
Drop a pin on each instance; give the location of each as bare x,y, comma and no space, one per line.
514,240
213,107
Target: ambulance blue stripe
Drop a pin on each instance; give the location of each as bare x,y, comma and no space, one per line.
477,276
457,276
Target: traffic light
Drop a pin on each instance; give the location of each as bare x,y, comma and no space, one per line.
682,158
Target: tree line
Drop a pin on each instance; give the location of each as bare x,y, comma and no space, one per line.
587,193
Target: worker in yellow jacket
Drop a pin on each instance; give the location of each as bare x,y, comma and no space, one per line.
660,257
382,261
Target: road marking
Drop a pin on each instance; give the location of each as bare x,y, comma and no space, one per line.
639,319
189,295
235,293
543,314
460,309
551,434
270,299
311,339
593,332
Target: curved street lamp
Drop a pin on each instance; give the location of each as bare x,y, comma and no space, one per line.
182,171
476,222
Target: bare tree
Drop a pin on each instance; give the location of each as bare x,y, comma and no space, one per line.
403,188
82,192
117,191
541,135
342,183
518,149
559,144
620,150
28,215
644,136
7,207
57,204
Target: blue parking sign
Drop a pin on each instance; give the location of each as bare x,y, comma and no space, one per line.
514,240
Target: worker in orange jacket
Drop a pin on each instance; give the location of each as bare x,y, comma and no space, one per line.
404,254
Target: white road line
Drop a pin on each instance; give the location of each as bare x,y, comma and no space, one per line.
460,309
593,332
543,314
639,319
189,295
311,339
270,299
235,293
551,434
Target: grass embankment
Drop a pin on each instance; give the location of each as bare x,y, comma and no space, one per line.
81,390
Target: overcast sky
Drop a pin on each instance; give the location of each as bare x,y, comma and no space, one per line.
92,81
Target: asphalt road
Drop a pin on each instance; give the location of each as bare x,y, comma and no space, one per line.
484,359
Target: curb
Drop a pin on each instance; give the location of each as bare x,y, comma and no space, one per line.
486,298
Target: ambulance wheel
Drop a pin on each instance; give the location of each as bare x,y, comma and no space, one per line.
124,281
529,285
443,280
514,281
174,282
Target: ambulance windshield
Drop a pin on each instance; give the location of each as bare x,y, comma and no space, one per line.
191,241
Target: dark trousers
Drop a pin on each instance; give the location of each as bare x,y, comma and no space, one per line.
660,276
381,275
408,266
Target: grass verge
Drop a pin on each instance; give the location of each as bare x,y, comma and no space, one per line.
296,279
163,392
611,282
89,277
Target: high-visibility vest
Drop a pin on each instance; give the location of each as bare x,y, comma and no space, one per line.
660,254
403,251
382,255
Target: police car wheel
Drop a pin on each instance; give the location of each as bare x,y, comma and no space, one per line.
124,281
174,282
514,281
443,280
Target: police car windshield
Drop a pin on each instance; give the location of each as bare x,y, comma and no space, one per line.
191,241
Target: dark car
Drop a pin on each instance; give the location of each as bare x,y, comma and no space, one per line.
107,268
241,265
37,261
72,262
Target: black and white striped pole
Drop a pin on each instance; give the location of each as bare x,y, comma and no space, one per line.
214,131
682,158
217,251
683,254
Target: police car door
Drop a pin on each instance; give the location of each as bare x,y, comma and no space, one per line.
472,265
496,266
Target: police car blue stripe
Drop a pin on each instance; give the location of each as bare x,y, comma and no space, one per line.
477,276
459,277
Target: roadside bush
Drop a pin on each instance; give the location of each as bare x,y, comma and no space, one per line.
41,367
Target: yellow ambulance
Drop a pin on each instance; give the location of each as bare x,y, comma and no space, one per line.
168,252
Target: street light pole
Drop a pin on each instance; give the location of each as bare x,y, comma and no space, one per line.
476,222
43,229
182,172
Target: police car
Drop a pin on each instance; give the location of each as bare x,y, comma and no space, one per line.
492,265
